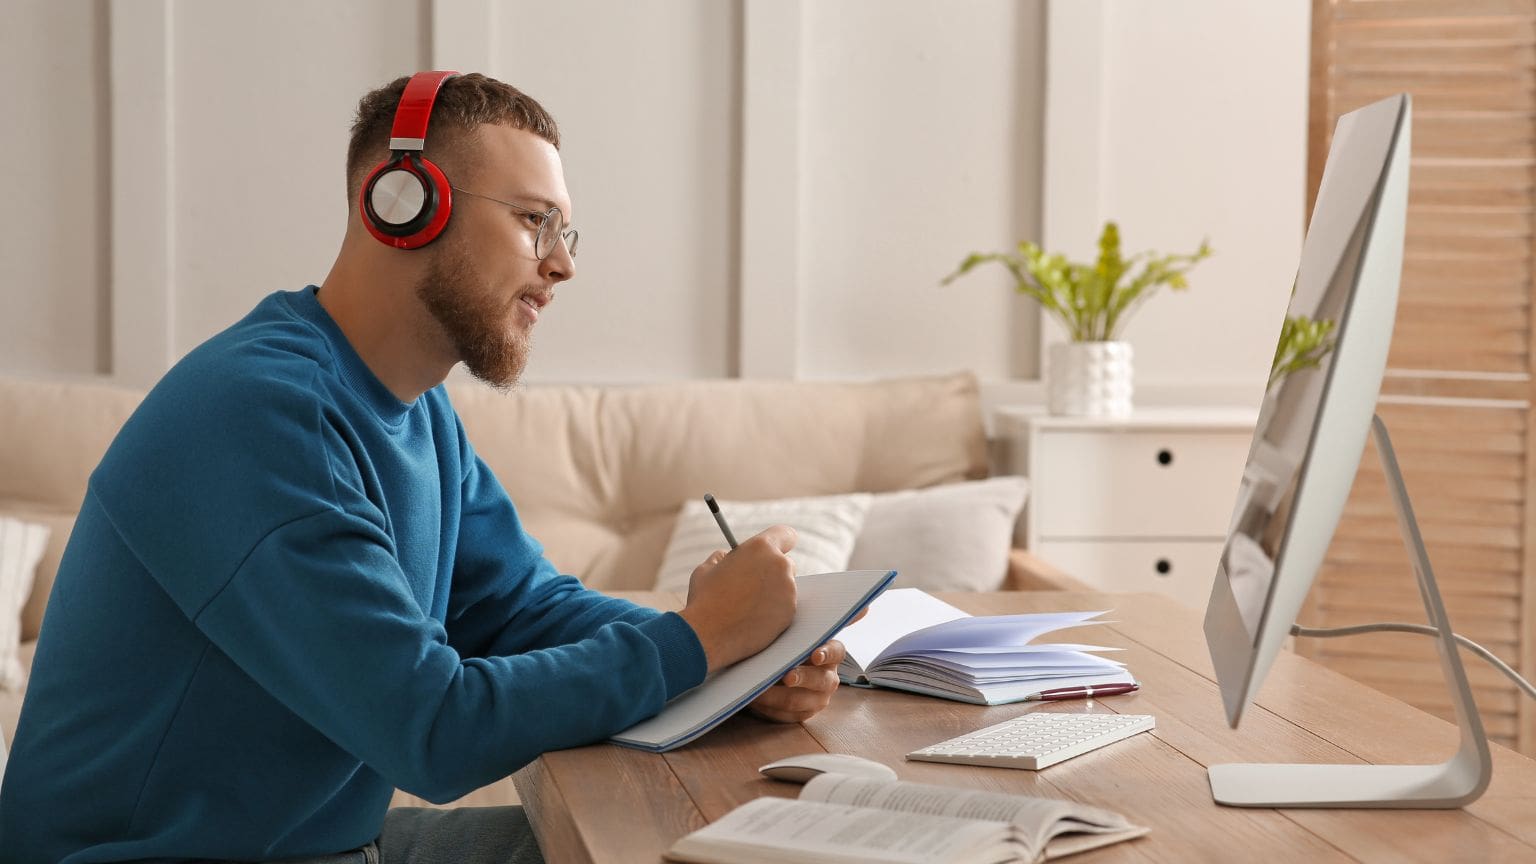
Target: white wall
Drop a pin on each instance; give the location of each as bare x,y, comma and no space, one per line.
262,97
645,94
764,187
922,143
53,230
650,97
1189,122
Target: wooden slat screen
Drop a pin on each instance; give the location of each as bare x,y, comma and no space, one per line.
1457,398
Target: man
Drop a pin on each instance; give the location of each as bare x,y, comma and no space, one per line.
293,587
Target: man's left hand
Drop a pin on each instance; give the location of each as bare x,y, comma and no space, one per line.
805,690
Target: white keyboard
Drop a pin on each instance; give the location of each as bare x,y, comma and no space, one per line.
1035,740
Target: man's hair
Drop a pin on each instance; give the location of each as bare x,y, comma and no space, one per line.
464,103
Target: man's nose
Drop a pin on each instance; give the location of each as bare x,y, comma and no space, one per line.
558,265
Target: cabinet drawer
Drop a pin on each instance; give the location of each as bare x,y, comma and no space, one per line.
1182,570
1136,483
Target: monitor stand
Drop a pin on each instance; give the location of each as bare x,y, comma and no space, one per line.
1453,783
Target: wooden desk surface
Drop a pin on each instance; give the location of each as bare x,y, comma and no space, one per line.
610,804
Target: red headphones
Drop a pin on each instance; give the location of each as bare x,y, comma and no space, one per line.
406,201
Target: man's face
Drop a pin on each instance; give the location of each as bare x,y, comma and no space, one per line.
484,284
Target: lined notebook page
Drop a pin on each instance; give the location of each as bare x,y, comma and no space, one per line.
824,603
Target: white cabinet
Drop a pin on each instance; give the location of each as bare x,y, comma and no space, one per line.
1139,503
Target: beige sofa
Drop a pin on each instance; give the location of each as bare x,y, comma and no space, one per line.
598,474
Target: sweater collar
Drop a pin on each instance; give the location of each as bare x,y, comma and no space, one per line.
354,371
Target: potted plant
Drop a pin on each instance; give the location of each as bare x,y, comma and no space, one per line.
1091,374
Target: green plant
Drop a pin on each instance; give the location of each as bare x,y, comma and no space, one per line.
1093,301
1303,343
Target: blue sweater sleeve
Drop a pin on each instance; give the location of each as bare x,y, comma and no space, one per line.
261,514
362,664
508,598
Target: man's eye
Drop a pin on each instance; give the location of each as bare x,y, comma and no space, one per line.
535,219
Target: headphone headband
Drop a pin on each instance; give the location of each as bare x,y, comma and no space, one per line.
415,109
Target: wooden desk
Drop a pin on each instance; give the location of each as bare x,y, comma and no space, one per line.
610,804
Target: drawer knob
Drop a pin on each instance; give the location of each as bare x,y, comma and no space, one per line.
1164,566
1165,457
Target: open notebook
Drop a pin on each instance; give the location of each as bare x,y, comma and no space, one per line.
824,604
911,640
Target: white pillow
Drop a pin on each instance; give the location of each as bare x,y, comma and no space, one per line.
827,526
943,538
21,547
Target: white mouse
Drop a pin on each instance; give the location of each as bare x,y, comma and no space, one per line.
800,769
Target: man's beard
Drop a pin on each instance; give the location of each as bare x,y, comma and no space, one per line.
474,319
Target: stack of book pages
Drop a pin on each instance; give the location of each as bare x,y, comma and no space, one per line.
911,640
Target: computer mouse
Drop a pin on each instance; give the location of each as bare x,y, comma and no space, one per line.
800,769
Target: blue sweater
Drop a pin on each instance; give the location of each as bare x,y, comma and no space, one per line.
288,593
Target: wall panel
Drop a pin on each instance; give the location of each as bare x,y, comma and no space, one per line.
802,204
645,95
920,147
1209,145
263,97
53,233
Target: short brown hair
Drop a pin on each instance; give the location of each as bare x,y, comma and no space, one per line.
464,103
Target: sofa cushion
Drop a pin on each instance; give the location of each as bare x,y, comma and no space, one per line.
954,537
59,524
21,548
10,700
52,435
600,474
827,527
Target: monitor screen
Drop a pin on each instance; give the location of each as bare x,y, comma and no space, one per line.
1318,401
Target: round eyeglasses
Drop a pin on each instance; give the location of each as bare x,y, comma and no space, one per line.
546,224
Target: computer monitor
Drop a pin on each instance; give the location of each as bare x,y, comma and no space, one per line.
1318,408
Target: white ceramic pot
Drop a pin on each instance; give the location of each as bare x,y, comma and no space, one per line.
1089,379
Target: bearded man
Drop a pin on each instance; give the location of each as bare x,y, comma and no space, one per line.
293,587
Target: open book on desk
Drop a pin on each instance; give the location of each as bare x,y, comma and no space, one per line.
842,818
824,603
911,640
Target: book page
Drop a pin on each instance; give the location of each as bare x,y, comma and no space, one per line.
782,829
1039,819
823,602
893,615
973,655
930,683
1017,667
987,631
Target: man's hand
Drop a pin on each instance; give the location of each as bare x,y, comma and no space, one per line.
741,601
805,690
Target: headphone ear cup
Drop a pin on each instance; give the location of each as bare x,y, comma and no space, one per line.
406,201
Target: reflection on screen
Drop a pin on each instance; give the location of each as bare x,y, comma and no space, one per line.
1286,420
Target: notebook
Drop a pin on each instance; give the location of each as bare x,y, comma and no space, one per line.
911,640
824,603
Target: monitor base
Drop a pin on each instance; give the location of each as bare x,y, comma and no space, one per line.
1444,786
1454,783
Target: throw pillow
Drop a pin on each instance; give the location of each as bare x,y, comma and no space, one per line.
827,526
21,547
944,538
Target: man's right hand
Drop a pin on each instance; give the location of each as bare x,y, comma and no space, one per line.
740,602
